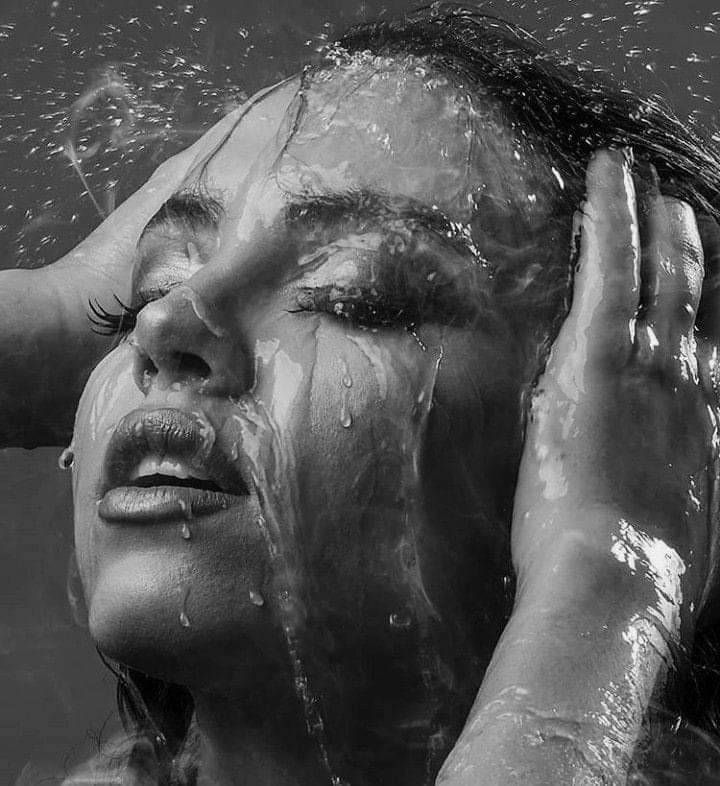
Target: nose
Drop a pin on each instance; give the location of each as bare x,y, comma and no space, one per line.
176,341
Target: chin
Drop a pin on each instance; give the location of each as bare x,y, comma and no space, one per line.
146,619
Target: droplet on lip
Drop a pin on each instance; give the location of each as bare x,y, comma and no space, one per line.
185,531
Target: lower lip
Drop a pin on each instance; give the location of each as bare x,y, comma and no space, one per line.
133,504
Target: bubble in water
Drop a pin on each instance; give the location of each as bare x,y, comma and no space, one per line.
256,598
67,457
185,531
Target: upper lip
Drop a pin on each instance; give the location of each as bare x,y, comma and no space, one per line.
171,434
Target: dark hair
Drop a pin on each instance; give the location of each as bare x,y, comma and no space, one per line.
575,111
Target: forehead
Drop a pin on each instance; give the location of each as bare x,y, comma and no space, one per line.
394,126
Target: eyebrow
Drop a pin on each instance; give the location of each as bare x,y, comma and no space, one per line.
334,208
191,208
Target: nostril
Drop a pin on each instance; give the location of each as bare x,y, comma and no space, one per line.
189,365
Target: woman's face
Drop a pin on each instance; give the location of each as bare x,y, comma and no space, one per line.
313,427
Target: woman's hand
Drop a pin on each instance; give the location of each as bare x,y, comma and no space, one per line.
621,446
47,348
615,516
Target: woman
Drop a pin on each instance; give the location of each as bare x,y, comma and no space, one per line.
295,472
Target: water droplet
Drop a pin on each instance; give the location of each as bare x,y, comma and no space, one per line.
67,457
345,416
400,621
234,453
185,531
184,619
186,509
346,378
256,598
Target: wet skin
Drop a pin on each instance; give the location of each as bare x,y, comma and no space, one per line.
378,247
388,526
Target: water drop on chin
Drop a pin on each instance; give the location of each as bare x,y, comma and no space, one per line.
185,531
67,458
256,598
184,619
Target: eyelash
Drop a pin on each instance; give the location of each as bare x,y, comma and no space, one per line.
363,308
107,323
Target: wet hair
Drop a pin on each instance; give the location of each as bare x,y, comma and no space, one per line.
574,111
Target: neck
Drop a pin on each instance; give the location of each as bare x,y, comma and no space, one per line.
239,747
265,742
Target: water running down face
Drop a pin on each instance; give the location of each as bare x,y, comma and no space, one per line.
311,434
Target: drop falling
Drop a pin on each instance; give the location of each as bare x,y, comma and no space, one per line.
185,531
184,619
345,416
256,598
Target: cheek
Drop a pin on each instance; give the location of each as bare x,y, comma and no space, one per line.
109,394
356,438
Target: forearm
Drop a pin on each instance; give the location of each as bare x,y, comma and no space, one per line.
47,351
590,639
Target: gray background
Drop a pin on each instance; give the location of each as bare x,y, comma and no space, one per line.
182,65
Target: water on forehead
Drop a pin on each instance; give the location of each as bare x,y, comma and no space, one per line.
387,125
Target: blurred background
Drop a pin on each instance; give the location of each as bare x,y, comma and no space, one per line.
93,95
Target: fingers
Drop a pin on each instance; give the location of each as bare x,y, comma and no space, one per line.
608,306
607,280
708,318
673,267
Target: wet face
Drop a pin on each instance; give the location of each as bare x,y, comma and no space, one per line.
312,428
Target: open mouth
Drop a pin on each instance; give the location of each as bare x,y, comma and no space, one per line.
148,481
157,471
161,466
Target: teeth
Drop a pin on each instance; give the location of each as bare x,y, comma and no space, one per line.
156,465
